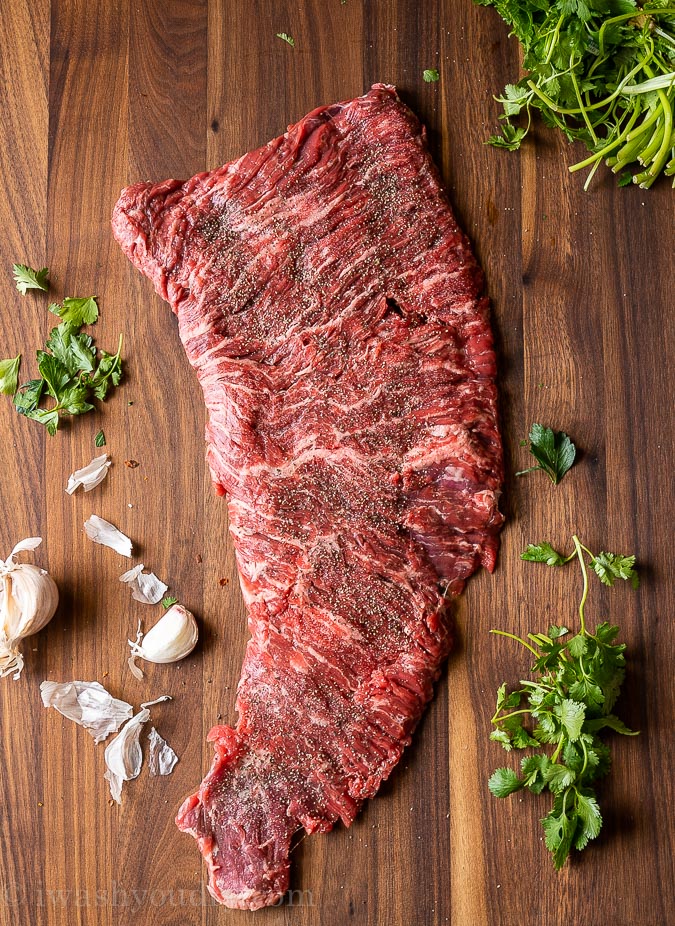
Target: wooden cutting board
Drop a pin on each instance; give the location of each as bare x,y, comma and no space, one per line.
98,94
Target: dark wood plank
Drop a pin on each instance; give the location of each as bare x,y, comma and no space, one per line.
101,94
24,81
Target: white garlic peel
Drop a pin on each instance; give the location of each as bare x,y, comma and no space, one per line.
88,704
103,532
28,600
146,588
124,756
173,637
161,759
90,475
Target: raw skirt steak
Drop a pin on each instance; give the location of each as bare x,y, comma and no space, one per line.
331,308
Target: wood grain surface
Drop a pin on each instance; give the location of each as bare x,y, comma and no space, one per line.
95,94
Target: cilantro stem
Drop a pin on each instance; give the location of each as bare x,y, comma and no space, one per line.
584,596
497,719
607,148
512,636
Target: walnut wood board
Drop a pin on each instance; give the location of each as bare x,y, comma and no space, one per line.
98,94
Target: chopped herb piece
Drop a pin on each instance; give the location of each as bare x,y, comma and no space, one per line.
76,311
169,601
285,37
99,440
26,278
9,375
431,75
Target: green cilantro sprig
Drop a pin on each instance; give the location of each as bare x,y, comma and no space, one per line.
26,278
168,602
565,708
285,37
431,75
553,450
601,72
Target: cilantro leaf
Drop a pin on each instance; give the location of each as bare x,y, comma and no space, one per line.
26,278
553,451
285,37
169,601
542,553
50,419
75,351
77,311
109,371
99,440
503,782
559,830
611,566
589,816
28,396
559,777
54,373
9,375
431,75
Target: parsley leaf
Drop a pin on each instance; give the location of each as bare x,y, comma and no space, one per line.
26,278
553,451
168,601
76,311
503,782
99,440
9,375
431,75
611,566
285,37
542,553
564,709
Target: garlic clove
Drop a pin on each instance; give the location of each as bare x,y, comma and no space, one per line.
173,637
29,598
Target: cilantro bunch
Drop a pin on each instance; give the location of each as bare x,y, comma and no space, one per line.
564,710
603,72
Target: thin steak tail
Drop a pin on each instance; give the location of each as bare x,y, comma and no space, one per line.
240,821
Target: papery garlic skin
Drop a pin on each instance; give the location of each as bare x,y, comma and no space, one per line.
124,756
29,598
173,637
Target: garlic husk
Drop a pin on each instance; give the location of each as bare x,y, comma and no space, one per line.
88,704
28,600
173,637
105,533
161,758
146,588
90,475
124,756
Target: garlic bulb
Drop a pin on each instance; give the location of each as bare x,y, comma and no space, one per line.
173,637
28,599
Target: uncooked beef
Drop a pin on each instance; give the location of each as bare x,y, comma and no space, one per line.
332,310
